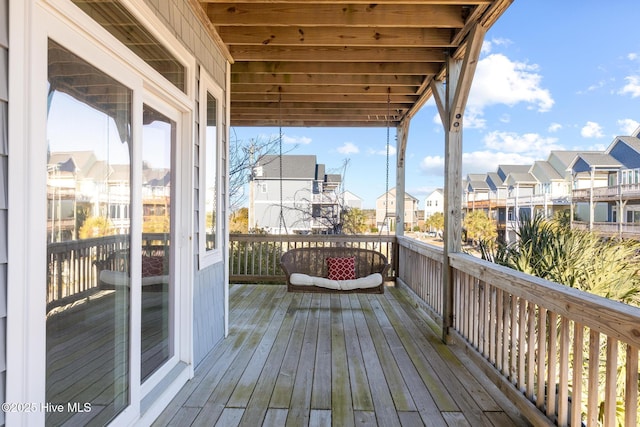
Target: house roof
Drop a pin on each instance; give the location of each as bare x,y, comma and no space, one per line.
504,170
293,167
631,141
340,62
392,192
494,181
477,182
586,161
543,171
520,178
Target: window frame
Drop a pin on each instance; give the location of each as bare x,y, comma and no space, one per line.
60,21
208,86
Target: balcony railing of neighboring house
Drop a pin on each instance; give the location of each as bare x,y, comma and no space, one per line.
626,229
527,334
256,257
324,198
613,193
539,200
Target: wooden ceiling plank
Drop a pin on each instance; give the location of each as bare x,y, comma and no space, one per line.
247,106
328,97
340,14
310,123
392,2
291,112
337,36
326,79
349,68
336,54
324,89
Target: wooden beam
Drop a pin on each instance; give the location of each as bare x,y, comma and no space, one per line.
310,89
337,36
350,68
329,97
463,84
401,149
335,54
374,106
307,123
391,2
293,112
326,79
339,14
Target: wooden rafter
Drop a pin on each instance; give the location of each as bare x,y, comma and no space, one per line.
332,63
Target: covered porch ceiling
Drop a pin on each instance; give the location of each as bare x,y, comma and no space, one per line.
338,63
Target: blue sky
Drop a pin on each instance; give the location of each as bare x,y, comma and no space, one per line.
552,75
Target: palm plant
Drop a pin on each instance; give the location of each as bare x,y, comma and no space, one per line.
576,258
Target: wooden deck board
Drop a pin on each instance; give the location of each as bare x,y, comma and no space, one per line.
320,360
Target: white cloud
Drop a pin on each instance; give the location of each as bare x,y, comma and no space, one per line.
632,56
383,152
476,162
591,130
499,80
554,127
628,126
531,144
632,87
432,165
303,140
348,148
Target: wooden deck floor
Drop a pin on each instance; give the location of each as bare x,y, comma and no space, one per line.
341,360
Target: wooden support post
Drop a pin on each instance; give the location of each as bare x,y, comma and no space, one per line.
402,136
451,100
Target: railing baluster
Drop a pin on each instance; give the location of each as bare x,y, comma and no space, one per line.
578,361
631,387
611,383
563,385
592,388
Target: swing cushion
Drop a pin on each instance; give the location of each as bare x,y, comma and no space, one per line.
341,268
309,269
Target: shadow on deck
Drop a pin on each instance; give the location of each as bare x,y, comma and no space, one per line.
327,359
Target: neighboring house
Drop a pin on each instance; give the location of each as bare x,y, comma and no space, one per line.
606,195
293,196
434,203
118,121
350,200
476,192
386,207
592,173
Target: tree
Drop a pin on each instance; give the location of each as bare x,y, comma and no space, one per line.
239,221
576,258
435,222
354,221
243,156
95,226
480,227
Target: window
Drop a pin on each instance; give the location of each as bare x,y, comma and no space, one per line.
127,29
83,155
210,167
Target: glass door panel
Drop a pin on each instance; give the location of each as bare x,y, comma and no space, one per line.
88,241
159,138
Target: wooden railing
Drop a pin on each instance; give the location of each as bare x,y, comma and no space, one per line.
572,355
256,257
71,265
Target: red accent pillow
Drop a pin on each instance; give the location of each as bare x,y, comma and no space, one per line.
342,268
152,266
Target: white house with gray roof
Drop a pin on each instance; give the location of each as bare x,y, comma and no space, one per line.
293,194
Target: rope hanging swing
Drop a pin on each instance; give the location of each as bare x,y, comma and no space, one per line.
386,202
281,222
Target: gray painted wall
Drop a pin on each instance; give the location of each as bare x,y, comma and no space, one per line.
208,293
4,144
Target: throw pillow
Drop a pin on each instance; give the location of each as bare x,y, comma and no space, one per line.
341,268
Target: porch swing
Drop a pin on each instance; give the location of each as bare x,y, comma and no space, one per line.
336,269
